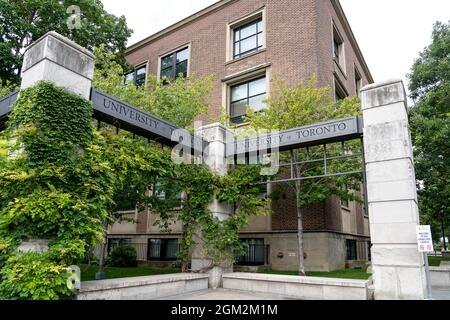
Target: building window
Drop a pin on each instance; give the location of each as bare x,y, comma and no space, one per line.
137,76
339,92
254,253
243,95
351,250
358,82
344,203
162,249
338,48
175,65
248,38
115,242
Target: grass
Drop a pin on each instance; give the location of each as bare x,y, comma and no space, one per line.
344,273
436,261
88,272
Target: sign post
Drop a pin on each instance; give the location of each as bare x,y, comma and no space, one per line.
425,245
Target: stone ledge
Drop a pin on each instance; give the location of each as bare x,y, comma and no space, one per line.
101,285
298,279
306,288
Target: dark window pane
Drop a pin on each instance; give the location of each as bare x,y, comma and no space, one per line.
248,30
171,249
239,92
237,120
336,50
154,251
167,61
254,253
351,250
167,73
248,44
257,87
140,71
182,55
239,108
182,68
162,249
140,76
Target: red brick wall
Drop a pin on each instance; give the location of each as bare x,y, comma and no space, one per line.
298,41
298,45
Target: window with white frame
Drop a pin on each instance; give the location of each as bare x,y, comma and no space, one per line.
175,65
248,38
247,94
137,76
339,91
338,48
358,82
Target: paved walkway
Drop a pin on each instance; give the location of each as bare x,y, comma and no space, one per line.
441,293
225,294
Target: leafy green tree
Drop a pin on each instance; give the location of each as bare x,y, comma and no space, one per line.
25,21
60,180
301,105
429,83
180,102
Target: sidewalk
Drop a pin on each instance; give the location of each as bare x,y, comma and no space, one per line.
441,293
225,294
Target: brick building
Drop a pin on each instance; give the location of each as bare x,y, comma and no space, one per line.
245,42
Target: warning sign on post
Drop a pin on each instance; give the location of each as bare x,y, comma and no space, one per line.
424,240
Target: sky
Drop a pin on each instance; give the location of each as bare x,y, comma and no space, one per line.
390,33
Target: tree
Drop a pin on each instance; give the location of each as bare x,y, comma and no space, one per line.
25,21
429,83
181,102
300,105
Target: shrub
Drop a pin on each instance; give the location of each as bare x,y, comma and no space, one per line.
33,276
122,256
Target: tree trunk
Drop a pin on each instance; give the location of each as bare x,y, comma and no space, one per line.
301,252
101,263
184,261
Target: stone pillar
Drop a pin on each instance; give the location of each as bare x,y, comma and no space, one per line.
60,60
398,267
215,157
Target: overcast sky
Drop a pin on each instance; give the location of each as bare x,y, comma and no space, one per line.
390,33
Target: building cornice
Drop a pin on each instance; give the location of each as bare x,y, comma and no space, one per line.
218,5
346,25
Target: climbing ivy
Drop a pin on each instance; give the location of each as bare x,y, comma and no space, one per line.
61,180
220,238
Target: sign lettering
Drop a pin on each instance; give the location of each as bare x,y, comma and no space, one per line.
336,130
424,239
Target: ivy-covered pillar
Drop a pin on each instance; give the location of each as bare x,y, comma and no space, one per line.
58,59
216,158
